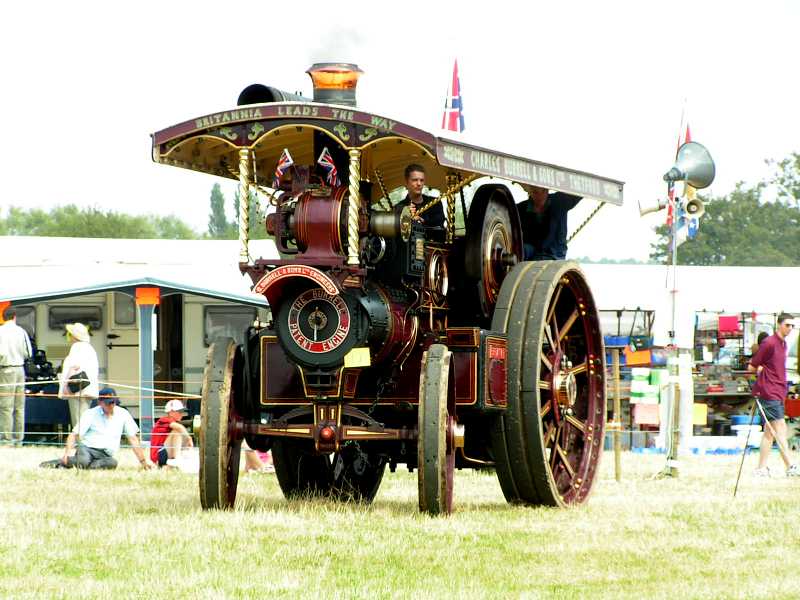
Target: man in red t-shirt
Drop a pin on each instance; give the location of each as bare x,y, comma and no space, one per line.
169,436
770,391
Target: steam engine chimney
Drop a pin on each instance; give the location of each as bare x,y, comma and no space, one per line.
335,83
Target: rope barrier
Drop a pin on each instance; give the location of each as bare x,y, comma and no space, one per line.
170,393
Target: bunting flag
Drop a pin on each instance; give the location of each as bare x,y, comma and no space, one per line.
453,117
284,162
325,160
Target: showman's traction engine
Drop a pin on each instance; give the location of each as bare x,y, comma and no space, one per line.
391,342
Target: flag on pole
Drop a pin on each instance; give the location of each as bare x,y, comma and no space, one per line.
325,160
692,224
453,117
284,162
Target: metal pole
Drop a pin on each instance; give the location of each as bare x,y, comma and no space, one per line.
744,450
146,404
672,431
617,410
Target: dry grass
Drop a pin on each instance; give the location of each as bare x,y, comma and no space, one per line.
132,534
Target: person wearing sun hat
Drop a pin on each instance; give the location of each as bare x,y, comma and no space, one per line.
82,359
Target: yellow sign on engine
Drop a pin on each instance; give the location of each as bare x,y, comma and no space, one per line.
357,357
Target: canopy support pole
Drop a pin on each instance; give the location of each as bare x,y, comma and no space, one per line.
354,206
147,298
244,205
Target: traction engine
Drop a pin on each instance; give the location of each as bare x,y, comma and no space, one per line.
392,343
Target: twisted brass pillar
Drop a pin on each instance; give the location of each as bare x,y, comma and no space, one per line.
244,205
354,206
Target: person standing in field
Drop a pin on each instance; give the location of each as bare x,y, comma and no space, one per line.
82,358
769,362
15,347
169,436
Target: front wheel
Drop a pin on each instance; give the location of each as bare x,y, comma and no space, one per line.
220,443
436,441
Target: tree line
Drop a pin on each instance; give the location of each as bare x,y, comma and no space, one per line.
90,222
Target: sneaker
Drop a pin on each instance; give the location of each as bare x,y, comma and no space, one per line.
793,471
762,472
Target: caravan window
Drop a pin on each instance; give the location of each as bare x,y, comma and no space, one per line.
26,318
60,315
124,309
227,321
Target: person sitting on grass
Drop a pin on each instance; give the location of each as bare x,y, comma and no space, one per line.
98,435
169,436
256,461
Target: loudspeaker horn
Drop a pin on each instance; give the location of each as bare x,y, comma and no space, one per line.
648,207
693,165
694,208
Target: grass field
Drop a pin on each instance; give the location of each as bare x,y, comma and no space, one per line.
134,534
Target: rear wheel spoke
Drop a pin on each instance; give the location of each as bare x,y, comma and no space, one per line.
549,336
568,324
581,368
553,304
545,410
564,460
576,423
549,436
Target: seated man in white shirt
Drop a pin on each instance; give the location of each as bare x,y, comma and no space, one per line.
98,435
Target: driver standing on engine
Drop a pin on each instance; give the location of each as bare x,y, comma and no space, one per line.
432,218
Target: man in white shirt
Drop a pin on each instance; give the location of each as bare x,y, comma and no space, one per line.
15,347
98,434
82,358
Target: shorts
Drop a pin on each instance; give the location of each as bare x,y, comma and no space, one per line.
773,409
162,457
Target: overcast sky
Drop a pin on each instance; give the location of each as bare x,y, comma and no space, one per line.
594,86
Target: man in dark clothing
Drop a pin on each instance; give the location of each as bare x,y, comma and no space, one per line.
769,362
433,218
544,223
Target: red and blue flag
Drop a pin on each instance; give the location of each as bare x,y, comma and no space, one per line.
453,117
325,160
284,162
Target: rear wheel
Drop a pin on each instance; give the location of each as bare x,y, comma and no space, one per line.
436,444
220,438
548,443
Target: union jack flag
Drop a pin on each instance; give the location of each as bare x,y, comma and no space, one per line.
453,117
284,162
325,160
